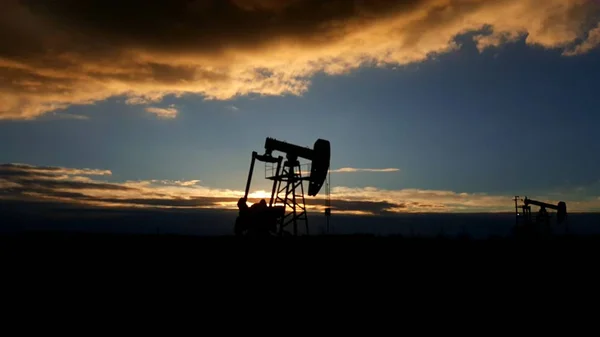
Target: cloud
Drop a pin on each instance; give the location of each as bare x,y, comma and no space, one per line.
60,184
592,41
184,183
50,170
69,52
62,115
495,39
8,185
353,170
417,200
167,113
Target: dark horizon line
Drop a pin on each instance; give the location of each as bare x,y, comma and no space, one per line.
83,207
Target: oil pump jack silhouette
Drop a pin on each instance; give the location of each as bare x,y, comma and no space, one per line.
527,223
287,204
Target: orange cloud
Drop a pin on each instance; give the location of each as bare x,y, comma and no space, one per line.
71,52
26,182
592,42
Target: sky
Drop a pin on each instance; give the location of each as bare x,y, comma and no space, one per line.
429,105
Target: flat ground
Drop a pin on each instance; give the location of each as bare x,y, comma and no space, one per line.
106,265
72,245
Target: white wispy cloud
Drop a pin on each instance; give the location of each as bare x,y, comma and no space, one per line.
165,113
177,182
353,170
64,115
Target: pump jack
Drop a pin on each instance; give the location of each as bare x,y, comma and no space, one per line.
288,190
526,221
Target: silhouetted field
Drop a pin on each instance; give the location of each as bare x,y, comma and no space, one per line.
73,245
82,263
50,241
38,216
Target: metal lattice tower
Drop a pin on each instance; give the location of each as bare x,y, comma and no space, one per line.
290,193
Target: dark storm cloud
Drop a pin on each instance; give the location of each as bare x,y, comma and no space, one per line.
198,202
59,53
11,174
211,25
374,207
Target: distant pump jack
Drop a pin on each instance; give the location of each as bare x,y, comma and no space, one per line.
287,203
525,219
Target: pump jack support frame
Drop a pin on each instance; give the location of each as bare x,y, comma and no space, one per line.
287,181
